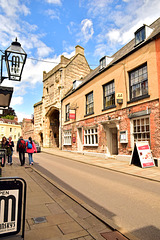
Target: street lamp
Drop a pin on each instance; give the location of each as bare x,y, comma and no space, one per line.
5,96
15,58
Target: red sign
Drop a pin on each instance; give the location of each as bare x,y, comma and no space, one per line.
72,114
142,154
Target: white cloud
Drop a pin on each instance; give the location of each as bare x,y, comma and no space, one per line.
57,2
86,30
12,7
98,7
114,35
52,14
16,101
22,115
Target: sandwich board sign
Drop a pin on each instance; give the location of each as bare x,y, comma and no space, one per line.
11,198
142,155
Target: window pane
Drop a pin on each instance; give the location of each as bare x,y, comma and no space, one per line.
139,82
109,94
89,103
141,129
91,136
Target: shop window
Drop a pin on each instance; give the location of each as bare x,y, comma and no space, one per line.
89,104
67,108
67,137
109,95
91,137
141,129
138,79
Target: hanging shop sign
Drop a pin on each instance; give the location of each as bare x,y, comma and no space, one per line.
142,155
72,114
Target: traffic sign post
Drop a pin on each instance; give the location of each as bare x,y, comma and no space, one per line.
12,206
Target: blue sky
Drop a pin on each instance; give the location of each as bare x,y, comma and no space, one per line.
47,29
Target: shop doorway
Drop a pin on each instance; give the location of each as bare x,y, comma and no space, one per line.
112,139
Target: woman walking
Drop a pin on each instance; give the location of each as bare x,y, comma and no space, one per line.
31,148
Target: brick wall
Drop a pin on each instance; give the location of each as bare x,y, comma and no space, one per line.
124,124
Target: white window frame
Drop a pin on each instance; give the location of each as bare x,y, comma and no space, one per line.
91,137
146,131
67,137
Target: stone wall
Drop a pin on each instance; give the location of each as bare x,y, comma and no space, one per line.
27,128
56,83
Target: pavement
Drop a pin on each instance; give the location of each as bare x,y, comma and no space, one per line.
52,213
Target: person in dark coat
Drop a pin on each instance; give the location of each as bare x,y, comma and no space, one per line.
21,148
5,145
11,145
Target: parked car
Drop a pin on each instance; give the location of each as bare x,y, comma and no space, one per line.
37,145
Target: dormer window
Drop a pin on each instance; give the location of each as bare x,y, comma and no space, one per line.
104,61
76,83
142,34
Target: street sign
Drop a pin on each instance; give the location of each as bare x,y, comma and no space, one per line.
11,196
142,155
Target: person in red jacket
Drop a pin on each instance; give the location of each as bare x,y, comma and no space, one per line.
31,148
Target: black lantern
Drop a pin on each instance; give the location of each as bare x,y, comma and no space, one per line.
15,58
5,96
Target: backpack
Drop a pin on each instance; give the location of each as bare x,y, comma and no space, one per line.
22,144
29,146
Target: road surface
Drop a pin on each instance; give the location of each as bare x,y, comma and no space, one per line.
130,202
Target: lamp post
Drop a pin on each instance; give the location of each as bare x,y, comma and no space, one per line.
15,58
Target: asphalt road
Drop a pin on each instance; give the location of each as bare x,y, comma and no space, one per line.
130,202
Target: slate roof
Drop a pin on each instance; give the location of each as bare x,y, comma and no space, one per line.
8,121
128,49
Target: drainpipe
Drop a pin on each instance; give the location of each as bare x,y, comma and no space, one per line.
60,113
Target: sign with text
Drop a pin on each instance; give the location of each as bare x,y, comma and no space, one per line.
72,114
119,97
142,154
10,207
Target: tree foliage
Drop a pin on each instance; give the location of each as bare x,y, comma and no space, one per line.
11,117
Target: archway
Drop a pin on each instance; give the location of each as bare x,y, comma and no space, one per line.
41,138
54,128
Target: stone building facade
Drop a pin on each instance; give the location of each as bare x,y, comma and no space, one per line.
56,83
118,103
27,128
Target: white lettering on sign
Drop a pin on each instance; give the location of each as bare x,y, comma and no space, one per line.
8,210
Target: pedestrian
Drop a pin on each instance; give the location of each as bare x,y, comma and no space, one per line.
21,148
5,145
11,145
31,148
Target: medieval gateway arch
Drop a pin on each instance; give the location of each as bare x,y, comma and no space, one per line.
56,83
